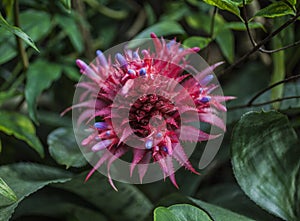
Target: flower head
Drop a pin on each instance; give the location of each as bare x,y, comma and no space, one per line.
144,103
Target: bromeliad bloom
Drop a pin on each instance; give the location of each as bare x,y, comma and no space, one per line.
144,104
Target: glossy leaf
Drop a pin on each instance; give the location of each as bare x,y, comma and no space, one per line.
230,197
225,40
66,4
196,41
180,212
26,178
275,9
17,31
292,2
40,76
64,149
36,23
227,5
163,213
265,159
240,26
69,26
22,128
99,193
218,213
6,191
56,204
240,2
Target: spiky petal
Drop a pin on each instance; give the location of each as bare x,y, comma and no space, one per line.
153,117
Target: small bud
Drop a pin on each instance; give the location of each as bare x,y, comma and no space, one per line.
206,99
101,58
122,61
142,72
100,125
148,144
206,80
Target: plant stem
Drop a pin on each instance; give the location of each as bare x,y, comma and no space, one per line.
21,49
259,44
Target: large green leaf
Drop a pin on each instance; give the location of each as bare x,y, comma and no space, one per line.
22,128
6,191
196,41
180,212
225,40
69,26
240,26
162,28
17,31
164,214
275,9
218,213
222,32
229,195
36,23
66,4
58,204
64,149
127,204
40,76
240,2
24,179
227,5
265,159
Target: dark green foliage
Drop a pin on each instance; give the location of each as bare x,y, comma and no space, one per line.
255,175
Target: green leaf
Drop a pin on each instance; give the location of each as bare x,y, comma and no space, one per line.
69,26
218,213
225,40
6,191
35,23
275,9
186,212
40,76
26,178
164,214
8,5
99,193
56,204
180,212
196,41
227,5
66,4
17,31
240,26
240,2
292,2
265,159
230,196
64,149
162,28
72,73
22,128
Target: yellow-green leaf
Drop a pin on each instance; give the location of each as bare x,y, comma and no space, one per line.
17,31
22,128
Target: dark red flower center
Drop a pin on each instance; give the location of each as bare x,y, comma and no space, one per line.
153,112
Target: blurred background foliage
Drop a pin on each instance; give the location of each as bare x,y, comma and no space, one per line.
255,175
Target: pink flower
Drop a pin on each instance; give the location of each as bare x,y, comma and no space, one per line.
145,85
